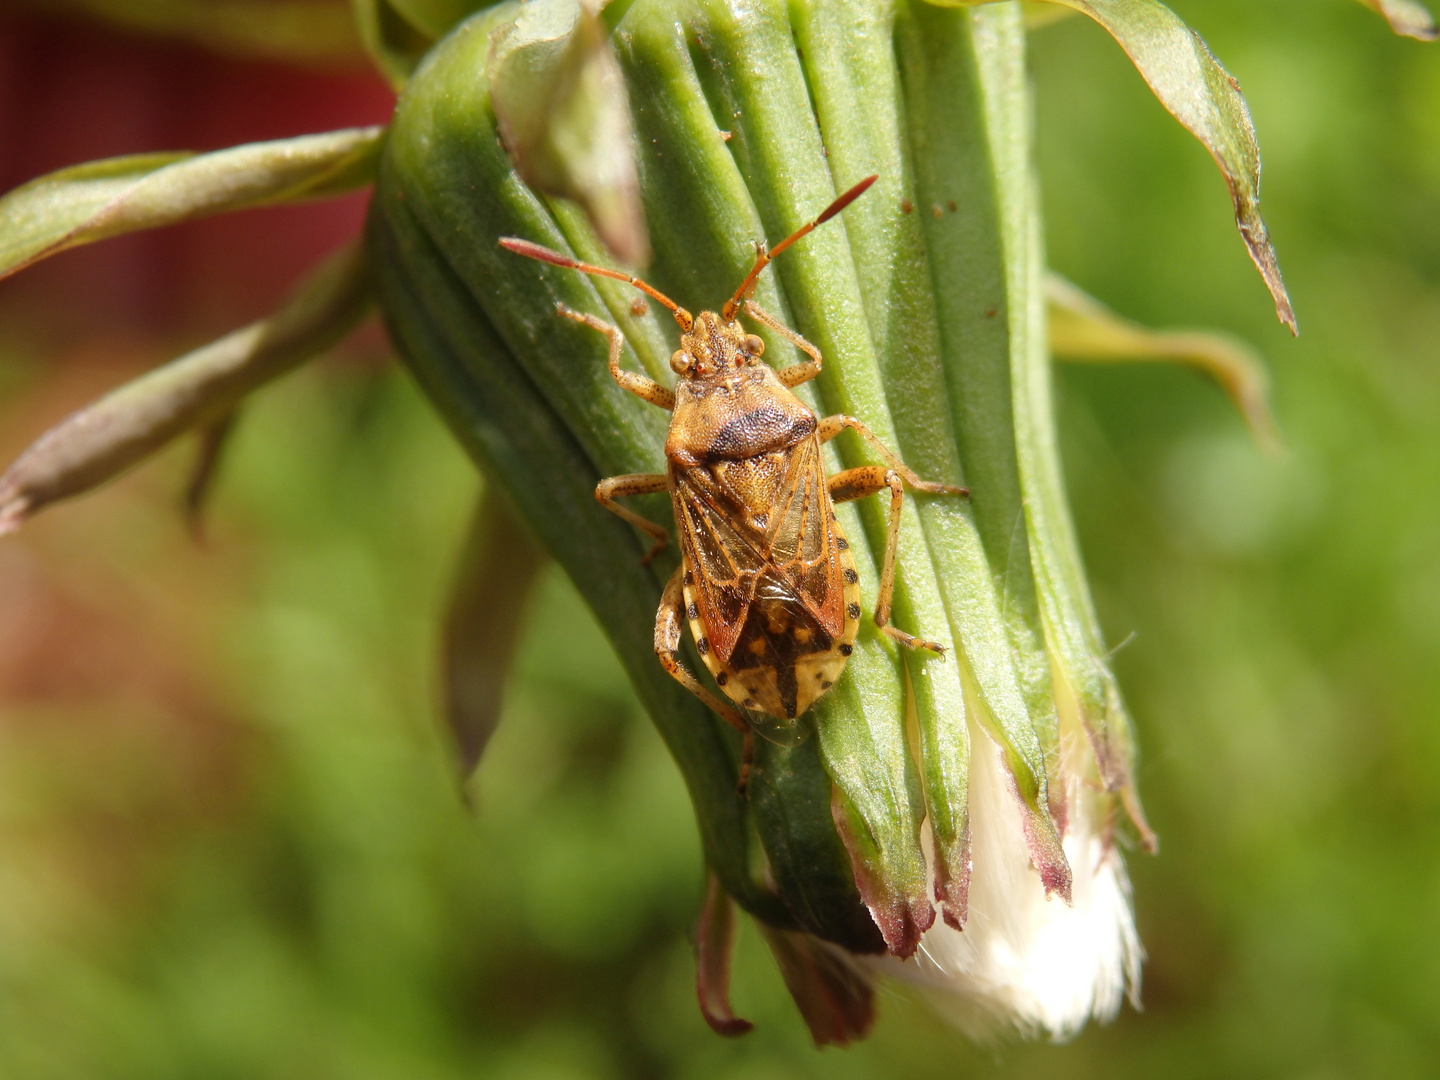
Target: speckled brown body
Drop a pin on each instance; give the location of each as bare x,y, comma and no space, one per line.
766,582
771,592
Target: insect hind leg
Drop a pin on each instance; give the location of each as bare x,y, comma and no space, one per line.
668,623
831,426
857,484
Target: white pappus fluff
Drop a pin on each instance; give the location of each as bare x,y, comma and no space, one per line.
1026,963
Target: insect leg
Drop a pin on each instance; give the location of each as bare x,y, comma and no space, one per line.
635,484
831,426
795,374
668,622
856,484
639,385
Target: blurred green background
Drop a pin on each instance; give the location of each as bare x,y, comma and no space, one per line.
230,844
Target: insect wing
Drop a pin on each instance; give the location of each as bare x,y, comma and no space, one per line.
801,541
726,555
790,566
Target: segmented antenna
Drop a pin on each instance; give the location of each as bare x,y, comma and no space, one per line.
763,258
544,254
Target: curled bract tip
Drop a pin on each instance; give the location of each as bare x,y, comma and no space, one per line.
563,115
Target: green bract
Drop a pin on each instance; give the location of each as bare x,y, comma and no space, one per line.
86,203
926,299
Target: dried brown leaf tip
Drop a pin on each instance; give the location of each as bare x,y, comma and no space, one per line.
892,886
715,945
1406,17
835,996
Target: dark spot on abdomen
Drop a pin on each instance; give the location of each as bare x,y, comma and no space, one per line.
788,688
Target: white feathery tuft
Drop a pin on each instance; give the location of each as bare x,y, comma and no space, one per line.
1027,964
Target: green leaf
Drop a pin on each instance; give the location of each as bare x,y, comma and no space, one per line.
564,115
1082,328
91,202
126,426
1406,17
862,128
1206,99
1086,695
499,568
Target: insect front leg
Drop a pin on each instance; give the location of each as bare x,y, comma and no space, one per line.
635,484
795,374
642,387
856,484
669,621
833,425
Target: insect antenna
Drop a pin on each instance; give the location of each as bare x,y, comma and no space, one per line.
763,257
544,254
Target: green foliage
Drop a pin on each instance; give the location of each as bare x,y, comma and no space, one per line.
95,201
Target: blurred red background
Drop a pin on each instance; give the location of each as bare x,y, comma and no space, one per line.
116,732
71,91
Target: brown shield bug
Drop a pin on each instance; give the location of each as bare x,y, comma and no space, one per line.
766,579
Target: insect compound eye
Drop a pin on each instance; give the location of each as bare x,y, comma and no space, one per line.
754,345
679,362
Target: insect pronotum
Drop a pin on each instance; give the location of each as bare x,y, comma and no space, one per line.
766,579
